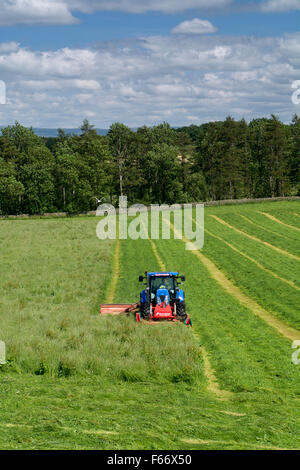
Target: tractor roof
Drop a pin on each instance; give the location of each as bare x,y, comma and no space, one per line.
166,274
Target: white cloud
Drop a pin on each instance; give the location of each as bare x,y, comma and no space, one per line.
7,47
195,26
64,62
180,78
35,12
143,6
61,11
221,52
280,5
88,85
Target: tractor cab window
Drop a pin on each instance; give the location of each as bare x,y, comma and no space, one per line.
157,282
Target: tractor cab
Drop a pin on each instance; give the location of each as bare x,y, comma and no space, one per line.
162,289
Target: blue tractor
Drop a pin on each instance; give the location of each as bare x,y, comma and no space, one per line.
162,298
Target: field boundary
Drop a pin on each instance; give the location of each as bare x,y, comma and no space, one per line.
225,202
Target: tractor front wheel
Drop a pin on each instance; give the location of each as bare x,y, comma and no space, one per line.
145,310
180,311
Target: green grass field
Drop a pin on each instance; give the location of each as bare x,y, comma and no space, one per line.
75,380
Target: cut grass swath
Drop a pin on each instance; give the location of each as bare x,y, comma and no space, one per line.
244,350
219,276
275,248
269,289
252,260
271,217
213,385
262,227
270,259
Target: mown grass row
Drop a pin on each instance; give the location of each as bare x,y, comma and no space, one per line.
257,218
276,262
277,296
249,357
272,293
279,236
288,213
247,354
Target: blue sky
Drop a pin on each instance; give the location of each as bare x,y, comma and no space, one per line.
107,26
123,60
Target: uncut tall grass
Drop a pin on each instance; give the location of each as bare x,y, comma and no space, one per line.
53,276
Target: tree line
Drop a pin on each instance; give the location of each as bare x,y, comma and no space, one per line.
219,160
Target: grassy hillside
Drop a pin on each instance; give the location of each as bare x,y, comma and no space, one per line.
75,380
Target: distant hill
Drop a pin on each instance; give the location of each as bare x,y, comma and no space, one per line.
53,132
44,132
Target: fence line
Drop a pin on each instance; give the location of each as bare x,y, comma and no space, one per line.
224,202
